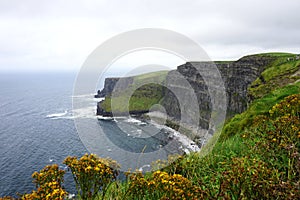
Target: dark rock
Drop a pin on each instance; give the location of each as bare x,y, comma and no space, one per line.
237,77
114,84
98,95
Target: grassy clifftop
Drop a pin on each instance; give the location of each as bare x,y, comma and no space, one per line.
284,70
147,90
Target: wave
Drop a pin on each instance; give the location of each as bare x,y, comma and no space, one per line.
105,118
83,95
86,112
55,115
188,145
98,99
141,169
135,121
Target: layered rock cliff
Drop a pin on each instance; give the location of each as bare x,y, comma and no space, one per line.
237,76
110,83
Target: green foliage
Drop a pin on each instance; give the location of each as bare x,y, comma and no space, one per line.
48,184
161,185
261,162
278,74
156,77
141,100
276,54
92,174
147,90
259,107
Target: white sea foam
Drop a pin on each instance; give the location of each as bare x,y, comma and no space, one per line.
57,114
98,99
144,166
83,95
104,118
133,120
71,196
188,145
86,112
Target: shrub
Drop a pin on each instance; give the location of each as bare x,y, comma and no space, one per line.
92,174
161,185
48,184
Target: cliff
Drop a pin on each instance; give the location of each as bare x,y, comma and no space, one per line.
134,94
238,76
109,85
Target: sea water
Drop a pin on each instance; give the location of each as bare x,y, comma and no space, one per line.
37,128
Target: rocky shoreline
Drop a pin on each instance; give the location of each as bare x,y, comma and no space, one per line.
237,76
166,134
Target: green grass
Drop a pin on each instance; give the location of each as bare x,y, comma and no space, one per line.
276,75
275,54
279,70
159,76
144,95
141,100
260,106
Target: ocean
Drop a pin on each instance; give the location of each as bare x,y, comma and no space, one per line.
37,128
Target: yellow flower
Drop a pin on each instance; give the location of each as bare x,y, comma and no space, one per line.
89,168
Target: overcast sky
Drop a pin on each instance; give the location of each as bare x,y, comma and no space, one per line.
45,35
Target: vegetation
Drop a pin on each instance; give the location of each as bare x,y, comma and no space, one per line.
48,184
258,107
92,174
261,162
148,89
279,73
256,157
141,100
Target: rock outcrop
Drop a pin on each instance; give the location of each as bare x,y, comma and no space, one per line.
237,76
110,83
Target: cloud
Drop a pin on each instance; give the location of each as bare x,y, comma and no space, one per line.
59,35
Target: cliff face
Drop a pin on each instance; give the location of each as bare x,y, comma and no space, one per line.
110,83
237,76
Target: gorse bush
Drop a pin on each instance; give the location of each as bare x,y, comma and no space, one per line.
289,106
277,141
161,185
92,174
48,184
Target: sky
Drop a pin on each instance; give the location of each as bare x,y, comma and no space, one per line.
40,35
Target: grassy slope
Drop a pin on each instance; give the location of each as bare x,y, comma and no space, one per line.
276,75
208,170
143,97
232,143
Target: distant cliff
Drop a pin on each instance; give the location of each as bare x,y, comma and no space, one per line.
140,92
237,76
109,85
